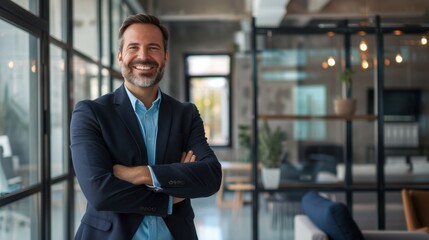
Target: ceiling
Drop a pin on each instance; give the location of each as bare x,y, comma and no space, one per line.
273,13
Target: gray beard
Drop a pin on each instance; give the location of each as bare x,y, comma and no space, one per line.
142,81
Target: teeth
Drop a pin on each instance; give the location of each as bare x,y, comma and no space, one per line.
140,67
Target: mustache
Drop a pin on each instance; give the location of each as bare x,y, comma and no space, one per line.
144,62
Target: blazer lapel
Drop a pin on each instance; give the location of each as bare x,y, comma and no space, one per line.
126,113
164,125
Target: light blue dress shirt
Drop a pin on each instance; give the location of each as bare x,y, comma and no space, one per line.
152,227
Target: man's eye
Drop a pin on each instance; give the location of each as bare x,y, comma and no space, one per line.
154,48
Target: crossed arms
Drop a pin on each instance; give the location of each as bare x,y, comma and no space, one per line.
140,175
100,141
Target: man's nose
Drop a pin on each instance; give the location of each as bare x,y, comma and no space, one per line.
143,53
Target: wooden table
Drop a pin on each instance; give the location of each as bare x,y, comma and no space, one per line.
238,184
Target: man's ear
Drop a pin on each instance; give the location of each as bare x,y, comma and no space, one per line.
166,57
119,57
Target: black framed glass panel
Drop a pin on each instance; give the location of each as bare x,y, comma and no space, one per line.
105,38
85,37
19,118
85,80
30,5
58,107
209,88
79,205
116,22
59,205
21,219
57,19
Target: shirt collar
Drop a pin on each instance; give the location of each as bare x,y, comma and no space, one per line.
134,101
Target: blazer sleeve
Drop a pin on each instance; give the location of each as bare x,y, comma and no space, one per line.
201,178
93,165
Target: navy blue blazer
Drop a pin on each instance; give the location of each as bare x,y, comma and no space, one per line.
105,132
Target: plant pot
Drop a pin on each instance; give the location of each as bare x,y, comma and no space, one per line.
344,106
270,178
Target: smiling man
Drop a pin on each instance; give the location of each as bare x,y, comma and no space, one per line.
140,155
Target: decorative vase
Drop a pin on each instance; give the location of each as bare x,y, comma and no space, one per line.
270,178
344,106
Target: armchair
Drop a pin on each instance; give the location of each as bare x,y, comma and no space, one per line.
306,230
416,210
328,220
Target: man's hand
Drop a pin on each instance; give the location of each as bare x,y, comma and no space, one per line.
186,158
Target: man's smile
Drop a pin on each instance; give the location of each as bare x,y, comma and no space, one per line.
143,67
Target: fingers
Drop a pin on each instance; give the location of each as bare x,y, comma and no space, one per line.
182,159
177,200
188,157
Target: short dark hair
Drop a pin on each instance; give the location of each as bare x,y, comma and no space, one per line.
142,18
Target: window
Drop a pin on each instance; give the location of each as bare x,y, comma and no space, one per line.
208,78
105,39
57,19
29,5
20,219
85,80
85,27
19,119
58,109
116,24
59,205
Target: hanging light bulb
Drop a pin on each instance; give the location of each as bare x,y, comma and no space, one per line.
325,65
331,61
363,46
33,66
397,32
424,40
398,57
386,62
364,64
10,64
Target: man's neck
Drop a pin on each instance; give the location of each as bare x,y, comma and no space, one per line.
145,95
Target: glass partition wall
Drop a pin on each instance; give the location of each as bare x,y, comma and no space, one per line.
361,159
52,54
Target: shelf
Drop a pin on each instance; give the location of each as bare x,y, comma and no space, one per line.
315,117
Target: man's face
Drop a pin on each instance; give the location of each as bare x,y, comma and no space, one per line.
143,57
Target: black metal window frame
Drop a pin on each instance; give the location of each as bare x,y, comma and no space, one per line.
39,27
188,78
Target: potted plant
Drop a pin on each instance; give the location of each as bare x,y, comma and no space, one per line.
244,141
270,154
345,105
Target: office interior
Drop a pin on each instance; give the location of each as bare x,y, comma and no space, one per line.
246,64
